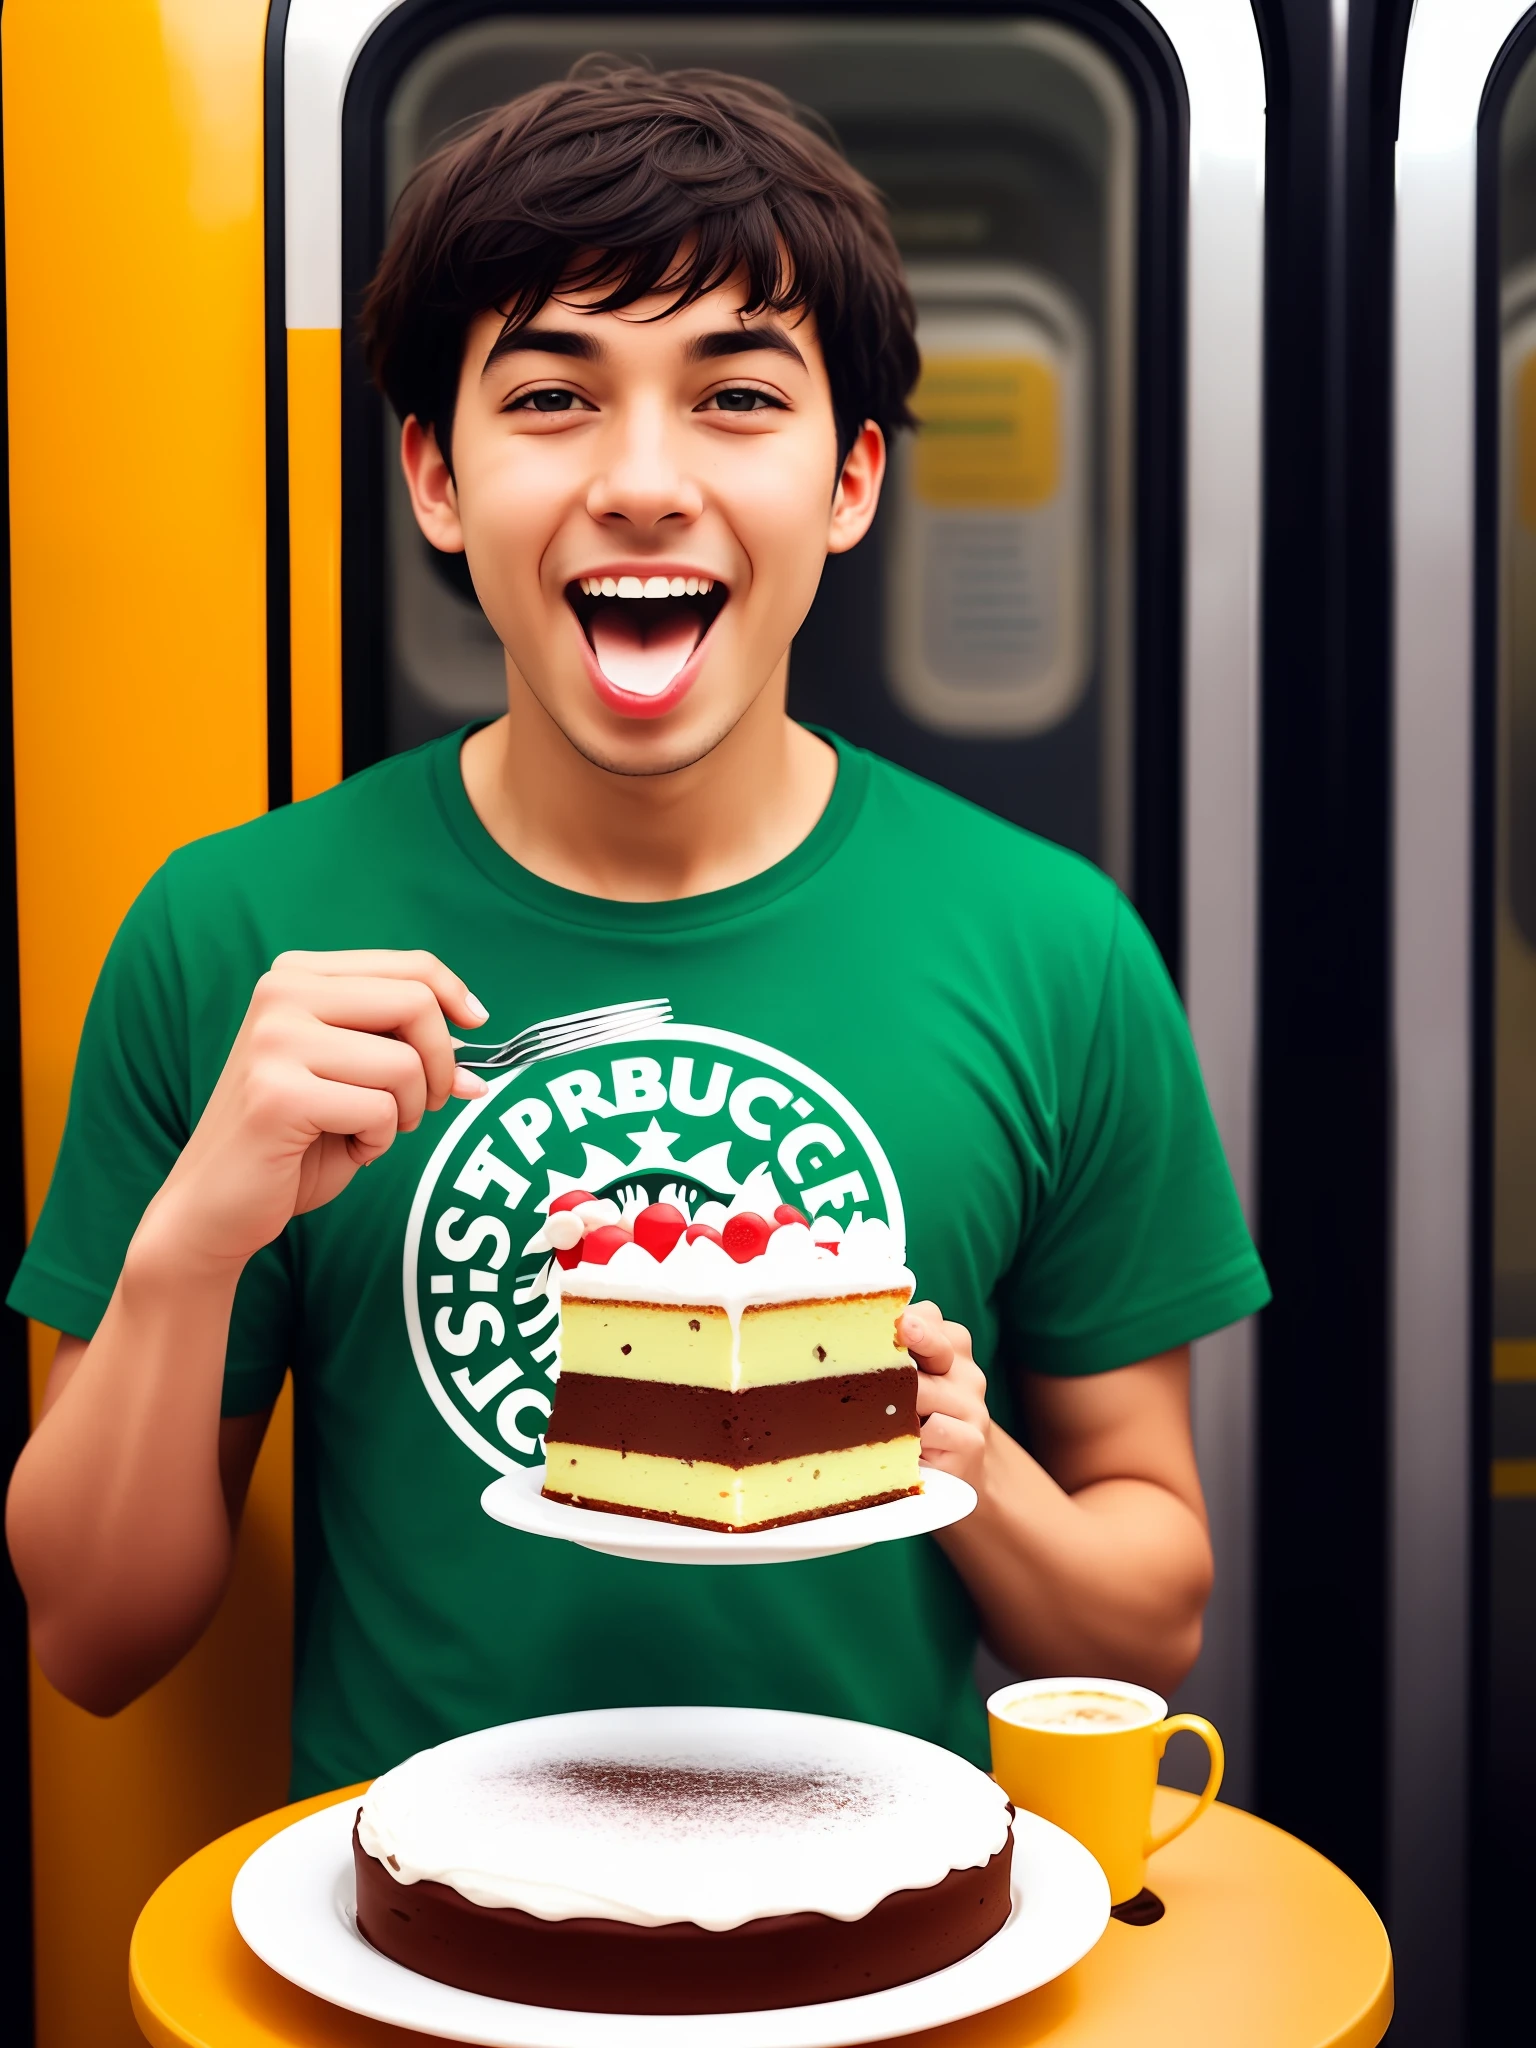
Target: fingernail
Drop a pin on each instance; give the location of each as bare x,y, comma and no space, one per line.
467,1084
475,1007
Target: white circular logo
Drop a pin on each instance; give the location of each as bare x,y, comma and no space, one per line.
678,1113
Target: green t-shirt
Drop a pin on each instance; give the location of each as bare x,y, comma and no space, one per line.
921,1014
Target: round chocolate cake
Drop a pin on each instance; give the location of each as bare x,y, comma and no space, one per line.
682,1860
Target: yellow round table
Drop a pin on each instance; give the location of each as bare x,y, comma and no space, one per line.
1263,1943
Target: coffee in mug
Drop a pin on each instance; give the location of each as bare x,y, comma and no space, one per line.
1084,1752
1080,1709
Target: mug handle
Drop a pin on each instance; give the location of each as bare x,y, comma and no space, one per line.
1217,1754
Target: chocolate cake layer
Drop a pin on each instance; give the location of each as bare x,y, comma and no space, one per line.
613,1966
752,1426
612,1507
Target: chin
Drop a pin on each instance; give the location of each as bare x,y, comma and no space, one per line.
650,746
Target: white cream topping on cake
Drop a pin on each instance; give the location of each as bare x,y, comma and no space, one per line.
791,1267
713,1815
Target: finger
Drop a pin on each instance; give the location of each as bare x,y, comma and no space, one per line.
947,1394
365,1117
364,1061
456,999
964,1372
404,1010
947,1440
922,1329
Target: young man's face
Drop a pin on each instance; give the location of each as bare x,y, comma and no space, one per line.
600,458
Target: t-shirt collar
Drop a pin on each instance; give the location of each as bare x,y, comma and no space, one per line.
678,914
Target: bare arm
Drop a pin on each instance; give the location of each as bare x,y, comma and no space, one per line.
1093,1558
137,1615
123,1507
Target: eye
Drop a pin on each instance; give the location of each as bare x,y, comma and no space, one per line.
551,400
739,398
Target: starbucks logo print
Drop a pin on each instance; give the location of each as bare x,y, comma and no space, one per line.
677,1113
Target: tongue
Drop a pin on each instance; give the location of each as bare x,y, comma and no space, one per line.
643,654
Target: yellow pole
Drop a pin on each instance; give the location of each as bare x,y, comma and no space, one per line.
314,512
133,192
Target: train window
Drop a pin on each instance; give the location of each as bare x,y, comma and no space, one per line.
987,626
983,634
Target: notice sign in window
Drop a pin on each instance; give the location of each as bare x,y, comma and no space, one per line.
991,431
988,585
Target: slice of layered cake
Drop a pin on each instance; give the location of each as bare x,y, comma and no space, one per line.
733,1378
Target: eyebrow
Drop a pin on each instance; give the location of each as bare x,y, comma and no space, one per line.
549,341
742,341
704,348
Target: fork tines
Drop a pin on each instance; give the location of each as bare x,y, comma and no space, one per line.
567,1034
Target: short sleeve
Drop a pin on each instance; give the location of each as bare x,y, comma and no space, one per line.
1138,1244
130,1114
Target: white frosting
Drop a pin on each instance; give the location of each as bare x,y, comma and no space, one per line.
715,1815
699,1274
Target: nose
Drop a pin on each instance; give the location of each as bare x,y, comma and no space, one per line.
642,481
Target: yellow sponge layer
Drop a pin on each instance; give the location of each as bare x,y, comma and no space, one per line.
805,1340
638,1340
691,1347
724,1497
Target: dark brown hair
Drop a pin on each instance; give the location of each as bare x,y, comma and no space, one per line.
632,181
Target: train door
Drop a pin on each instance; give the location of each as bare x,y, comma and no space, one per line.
1055,614
1463,1779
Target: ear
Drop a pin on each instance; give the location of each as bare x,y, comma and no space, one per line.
858,491
434,498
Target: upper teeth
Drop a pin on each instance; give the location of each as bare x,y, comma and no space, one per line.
649,586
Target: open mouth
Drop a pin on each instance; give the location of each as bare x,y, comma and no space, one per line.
644,630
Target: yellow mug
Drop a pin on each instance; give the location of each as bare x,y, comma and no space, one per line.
1084,1752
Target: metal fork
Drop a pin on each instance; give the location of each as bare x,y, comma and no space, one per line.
557,1035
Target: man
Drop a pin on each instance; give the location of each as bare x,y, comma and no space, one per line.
648,339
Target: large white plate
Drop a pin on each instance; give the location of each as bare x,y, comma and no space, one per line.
294,1902
517,1500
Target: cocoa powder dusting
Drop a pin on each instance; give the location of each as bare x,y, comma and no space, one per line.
682,1797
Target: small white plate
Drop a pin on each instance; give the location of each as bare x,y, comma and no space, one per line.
294,1902
517,1499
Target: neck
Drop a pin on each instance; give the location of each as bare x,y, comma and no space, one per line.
648,838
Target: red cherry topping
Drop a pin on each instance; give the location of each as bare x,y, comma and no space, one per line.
571,1199
658,1228
702,1230
599,1246
786,1212
746,1236
570,1255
